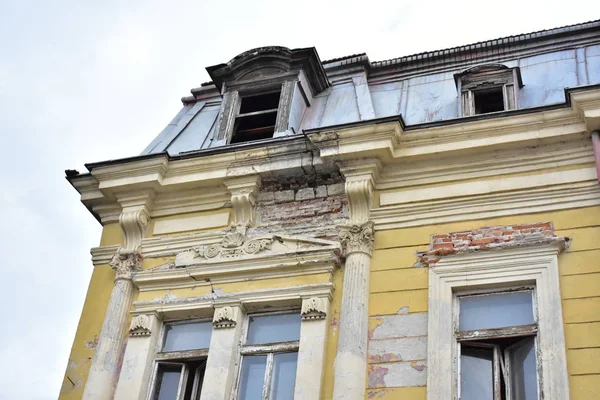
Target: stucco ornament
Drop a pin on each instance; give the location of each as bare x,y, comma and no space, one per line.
313,308
140,326
357,238
225,317
235,244
126,264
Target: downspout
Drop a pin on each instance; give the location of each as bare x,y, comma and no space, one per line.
596,146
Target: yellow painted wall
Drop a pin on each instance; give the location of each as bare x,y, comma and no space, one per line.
395,285
88,332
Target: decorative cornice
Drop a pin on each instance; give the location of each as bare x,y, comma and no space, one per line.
226,317
126,264
250,300
314,308
243,199
140,326
357,238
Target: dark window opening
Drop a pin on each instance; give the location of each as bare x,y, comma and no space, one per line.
257,117
261,102
489,100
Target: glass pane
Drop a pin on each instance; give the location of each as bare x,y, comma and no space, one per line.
523,370
476,374
284,376
496,310
190,336
167,382
274,328
253,376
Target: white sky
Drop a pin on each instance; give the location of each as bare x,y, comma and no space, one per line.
84,81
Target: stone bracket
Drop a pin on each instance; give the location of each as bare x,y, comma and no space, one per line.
244,191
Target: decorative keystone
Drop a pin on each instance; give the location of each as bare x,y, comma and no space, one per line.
140,326
225,317
314,308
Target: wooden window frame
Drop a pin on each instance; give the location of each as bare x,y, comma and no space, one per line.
469,83
179,357
536,266
267,349
473,338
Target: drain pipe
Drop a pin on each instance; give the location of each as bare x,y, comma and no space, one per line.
596,146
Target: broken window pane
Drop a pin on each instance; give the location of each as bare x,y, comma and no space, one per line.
488,100
274,328
496,310
523,370
189,336
252,378
476,374
284,376
167,382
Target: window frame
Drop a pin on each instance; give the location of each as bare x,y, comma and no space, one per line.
477,337
268,349
177,357
486,77
535,265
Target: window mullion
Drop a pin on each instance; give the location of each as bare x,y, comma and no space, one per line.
268,377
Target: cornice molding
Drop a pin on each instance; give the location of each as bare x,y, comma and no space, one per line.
483,206
170,305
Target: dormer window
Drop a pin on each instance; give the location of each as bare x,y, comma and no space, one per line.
488,88
257,117
266,92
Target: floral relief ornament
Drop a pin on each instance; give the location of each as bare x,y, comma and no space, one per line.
140,326
234,244
357,238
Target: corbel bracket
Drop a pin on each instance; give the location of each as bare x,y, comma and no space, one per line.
243,191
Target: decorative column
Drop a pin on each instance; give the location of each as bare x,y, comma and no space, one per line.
139,356
311,356
223,354
357,243
106,364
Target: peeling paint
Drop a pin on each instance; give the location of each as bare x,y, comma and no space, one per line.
377,376
92,343
418,366
374,323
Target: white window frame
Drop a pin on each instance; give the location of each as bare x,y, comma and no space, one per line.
268,349
536,266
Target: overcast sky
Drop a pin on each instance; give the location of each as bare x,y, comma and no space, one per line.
84,81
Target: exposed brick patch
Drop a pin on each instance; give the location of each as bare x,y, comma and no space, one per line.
489,238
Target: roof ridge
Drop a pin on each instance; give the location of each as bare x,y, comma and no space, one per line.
480,44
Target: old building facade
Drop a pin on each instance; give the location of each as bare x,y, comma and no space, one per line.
426,227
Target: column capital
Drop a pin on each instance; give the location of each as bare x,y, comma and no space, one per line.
357,238
125,264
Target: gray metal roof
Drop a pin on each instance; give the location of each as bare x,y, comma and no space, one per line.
419,87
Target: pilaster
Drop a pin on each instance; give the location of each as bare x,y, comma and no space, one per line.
139,356
223,354
311,356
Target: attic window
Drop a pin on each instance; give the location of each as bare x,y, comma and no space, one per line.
488,88
257,117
